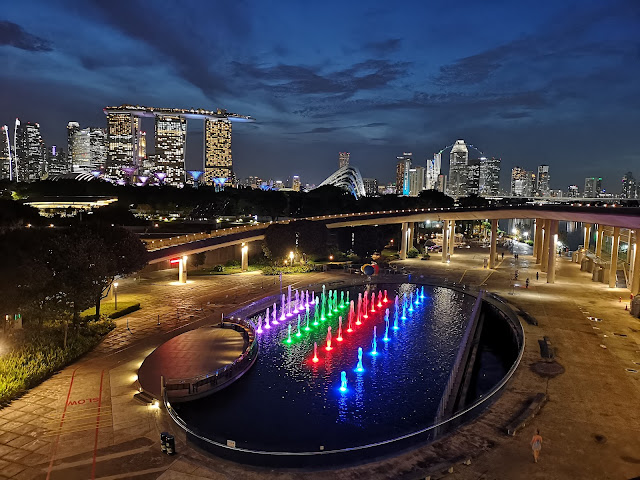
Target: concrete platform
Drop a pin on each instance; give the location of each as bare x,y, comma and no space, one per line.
192,354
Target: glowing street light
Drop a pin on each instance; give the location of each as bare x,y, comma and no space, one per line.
291,257
115,295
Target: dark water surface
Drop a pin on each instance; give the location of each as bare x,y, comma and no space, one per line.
286,402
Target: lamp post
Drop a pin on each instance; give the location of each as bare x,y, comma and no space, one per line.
291,257
115,295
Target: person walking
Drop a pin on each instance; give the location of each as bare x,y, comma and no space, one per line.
536,445
527,283
537,275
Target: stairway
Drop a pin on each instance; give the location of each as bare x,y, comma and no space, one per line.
621,281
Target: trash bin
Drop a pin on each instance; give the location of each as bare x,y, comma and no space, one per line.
171,445
163,441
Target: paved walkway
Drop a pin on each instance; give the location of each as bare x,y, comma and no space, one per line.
84,423
195,353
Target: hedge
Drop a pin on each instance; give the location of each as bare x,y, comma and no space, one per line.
124,311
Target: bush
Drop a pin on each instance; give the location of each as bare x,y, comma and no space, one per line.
218,268
270,270
232,263
37,354
124,311
412,252
529,242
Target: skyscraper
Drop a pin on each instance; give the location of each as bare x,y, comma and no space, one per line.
57,162
29,152
122,135
489,176
343,159
592,187
472,185
434,166
402,173
6,162
89,146
520,180
629,186
542,181
458,160
218,163
295,183
72,128
416,181
171,135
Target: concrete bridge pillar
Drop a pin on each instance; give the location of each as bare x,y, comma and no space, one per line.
452,237
445,240
245,257
494,243
614,257
544,261
599,239
552,252
182,270
403,241
587,236
537,240
635,276
412,235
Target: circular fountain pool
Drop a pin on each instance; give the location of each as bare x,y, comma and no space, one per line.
292,401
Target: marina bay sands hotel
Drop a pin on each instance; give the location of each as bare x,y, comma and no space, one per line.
125,142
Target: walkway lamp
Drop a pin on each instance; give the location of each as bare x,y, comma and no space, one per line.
291,257
115,295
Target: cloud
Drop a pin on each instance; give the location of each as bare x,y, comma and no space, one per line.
346,127
310,80
384,47
14,35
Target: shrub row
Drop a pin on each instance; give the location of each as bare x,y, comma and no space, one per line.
37,353
124,311
270,270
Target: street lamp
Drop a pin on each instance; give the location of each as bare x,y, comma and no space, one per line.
115,295
291,257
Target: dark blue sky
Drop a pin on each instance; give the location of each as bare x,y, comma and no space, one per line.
554,82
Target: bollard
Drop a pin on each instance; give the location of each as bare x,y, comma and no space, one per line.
163,442
171,444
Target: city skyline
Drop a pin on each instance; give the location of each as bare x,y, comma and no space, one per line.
529,85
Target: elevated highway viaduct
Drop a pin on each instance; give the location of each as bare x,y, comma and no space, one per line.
621,224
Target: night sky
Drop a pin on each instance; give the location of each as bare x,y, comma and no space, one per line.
554,82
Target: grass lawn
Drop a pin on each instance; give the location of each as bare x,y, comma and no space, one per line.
107,308
225,271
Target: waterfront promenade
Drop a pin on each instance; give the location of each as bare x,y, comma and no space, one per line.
84,423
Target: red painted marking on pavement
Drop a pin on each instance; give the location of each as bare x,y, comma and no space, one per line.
95,444
64,412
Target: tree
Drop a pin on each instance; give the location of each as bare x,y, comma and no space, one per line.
279,240
15,214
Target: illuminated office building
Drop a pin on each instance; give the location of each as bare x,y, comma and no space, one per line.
592,187
295,183
72,128
218,162
57,161
6,162
458,162
416,181
402,173
434,166
489,176
343,159
29,152
171,136
542,181
472,182
122,135
573,191
522,182
629,186
370,186
89,147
